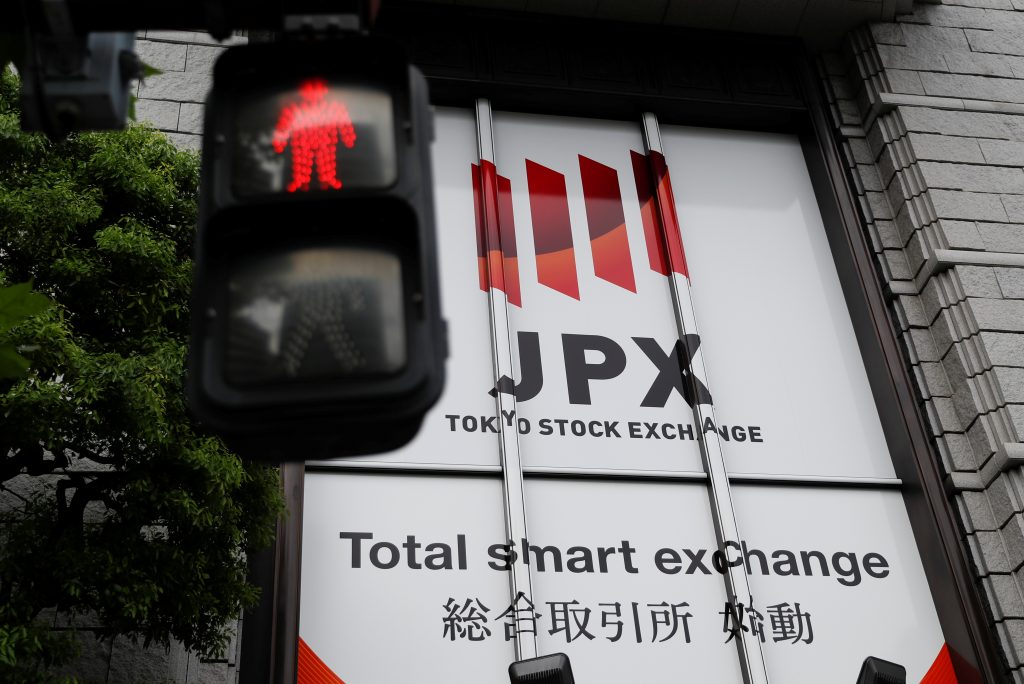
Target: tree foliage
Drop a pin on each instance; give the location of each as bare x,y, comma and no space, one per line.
114,504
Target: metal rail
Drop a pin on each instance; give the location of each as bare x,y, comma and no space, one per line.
737,583
520,581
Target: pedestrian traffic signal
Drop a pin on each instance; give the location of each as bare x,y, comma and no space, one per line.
316,326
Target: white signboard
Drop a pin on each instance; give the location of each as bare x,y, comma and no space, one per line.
854,571
406,577
382,556
597,384
777,337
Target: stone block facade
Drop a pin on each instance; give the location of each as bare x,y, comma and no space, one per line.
930,110
124,662
172,101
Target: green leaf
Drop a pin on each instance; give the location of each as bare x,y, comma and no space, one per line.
18,302
12,364
103,223
148,71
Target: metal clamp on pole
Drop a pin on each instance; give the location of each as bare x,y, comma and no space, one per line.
549,669
346,16
878,671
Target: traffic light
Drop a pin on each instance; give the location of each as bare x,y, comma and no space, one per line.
316,324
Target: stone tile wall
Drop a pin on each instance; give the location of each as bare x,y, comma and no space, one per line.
173,100
931,111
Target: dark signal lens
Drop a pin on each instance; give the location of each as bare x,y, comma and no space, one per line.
320,314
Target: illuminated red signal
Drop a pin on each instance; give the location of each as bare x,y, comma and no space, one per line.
313,126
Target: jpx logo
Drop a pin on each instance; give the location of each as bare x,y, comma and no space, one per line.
672,368
555,255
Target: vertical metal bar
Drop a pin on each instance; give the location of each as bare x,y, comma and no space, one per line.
505,404
271,630
289,576
255,666
737,583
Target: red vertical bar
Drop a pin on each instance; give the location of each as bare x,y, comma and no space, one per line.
606,222
496,253
648,213
667,210
481,240
492,241
552,234
509,252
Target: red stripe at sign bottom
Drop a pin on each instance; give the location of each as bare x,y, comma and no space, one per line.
941,671
946,666
312,670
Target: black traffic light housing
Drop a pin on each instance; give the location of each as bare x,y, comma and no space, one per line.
549,669
878,671
316,323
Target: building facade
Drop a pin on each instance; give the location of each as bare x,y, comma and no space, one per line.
925,109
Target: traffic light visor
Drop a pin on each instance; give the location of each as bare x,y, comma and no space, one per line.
312,135
314,314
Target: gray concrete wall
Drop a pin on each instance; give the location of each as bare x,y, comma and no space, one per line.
931,111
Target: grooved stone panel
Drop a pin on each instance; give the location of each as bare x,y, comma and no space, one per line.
961,234
1002,152
968,205
200,58
974,87
162,56
998,314
946,148
162,114
974,124
177,86
974,177
190,120
1014,206
1006,42
1011,282
980,64
1002,237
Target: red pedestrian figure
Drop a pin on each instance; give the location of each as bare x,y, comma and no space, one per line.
313,127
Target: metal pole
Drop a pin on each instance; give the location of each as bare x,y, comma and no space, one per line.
505,404
737,584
